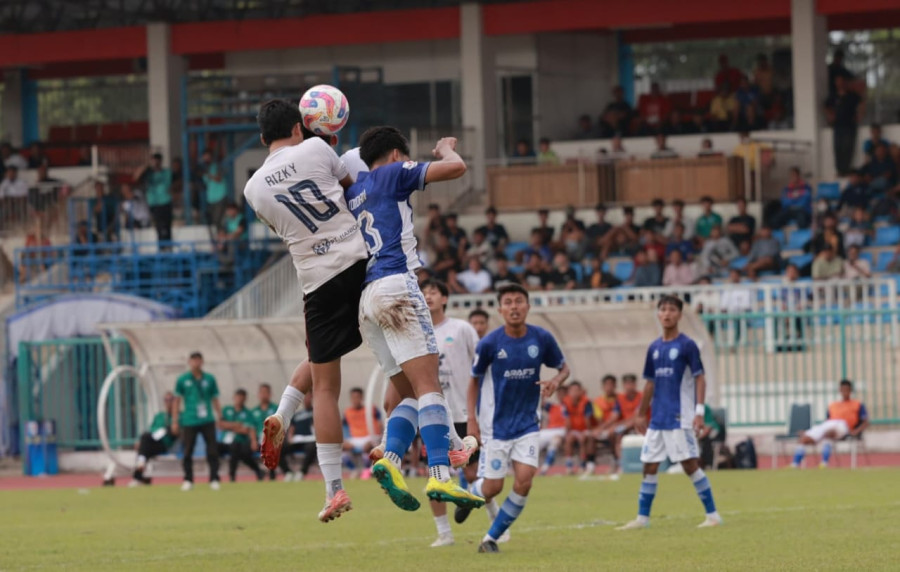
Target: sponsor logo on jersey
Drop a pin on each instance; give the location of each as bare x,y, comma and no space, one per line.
533,351
501,354
524,373
448,340
322,247
673,353
358,200
664,371
409,165
655,354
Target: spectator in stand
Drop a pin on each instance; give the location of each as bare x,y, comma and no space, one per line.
860,231
706,303
475,278
742,226
617,151
827,265
646,270
679,217
216,186
456,236
524,154
622,239
654,108
778,115
106,205
675,125
598,230
894,265
856,193
717,253
881,172
232,234
534,277
31,264
829,235
736,301
546,155
708,220
563,276
12,158
617,114
537,247
750,112
677,272
765,254
585,128
662,151
796,202
545,229
658,222
480,320
700,125
453,283
134,209
836,69
706,149
36,156
654,242
572,235
503,276
844,110
481,248
763,79
727,76
599,278
723,109
856,268
874,140
157,182
677,242
748,150
14,194
572,219
445,257
495,232
435,224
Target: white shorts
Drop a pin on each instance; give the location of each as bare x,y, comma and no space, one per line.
361,443
395,321
676,444
818,432
548,436
496,455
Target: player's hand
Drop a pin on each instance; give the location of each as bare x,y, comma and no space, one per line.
473,430
640,424
698,424
548,388
443,147
254,446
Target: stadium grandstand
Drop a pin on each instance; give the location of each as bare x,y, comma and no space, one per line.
743,156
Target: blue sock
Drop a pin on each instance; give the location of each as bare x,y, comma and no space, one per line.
551,457
704,491
826,453
401,428
509,512
648,492
569,462
463,483
799,452
435,429
348,461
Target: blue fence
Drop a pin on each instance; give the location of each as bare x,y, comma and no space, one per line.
191,276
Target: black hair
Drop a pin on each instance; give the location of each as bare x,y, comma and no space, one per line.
377,143
678,203
574,383
607,377
600,207
437,284
658,203
875,125
501,256
629,377
511,289
276,120
241,392
434,206
706,199
479,312
628,210
491,210
670,299
795,169
196,355
846,382
454,216
544,140
357,390
266,385
543,211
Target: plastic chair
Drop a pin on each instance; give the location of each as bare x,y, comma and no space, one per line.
739,263
798,238
854,444
623,270
830,191
800,419
887,236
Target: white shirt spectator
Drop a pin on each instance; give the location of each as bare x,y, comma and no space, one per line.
13,189
707,302
136,210
857,270
17,161
475,282
736,300
689,225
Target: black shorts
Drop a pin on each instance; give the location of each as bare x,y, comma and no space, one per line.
461,430
332,315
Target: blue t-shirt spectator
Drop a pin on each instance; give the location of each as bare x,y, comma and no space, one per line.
797,196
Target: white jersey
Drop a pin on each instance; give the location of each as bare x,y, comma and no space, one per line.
297,193
456,341
354,164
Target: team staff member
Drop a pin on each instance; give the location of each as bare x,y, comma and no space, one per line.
199,393
581,419
152,443
239,438
259,415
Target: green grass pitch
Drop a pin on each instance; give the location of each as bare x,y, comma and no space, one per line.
784,520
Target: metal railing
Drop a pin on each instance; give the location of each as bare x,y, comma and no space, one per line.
273,293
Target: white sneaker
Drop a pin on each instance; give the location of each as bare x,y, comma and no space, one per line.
186,486
443,540
288,477
298,477
588,470
504,538
635,524
134,483
214,485
711,521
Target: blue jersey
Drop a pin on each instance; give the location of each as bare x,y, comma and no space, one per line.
509,399
672,367
380,202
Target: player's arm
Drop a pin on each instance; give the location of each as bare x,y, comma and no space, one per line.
472,405
864,421
449,164
217,407
700,385
549,387
347,182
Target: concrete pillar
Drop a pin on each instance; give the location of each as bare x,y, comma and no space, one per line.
12,127
809,46
164,74
478,90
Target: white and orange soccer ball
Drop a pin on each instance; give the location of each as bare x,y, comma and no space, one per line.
324,109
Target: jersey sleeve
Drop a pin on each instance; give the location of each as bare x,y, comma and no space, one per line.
330,158
553,356
482,361
863,414
648,365
410,178
179,387
694,360
213,387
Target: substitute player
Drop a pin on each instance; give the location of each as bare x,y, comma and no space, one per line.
553,433
393,316
846,416
506,409
581,419
299,193
674,376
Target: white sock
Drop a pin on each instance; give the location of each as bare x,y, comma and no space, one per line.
329,455
141,461
456,443
475,488
290,402
443,525
643,519
440,472
394,458
493,509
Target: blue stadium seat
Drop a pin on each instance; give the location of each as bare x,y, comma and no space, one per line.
884,258
867,255
739,263
779,236
887,236
514,248
883,219
517,269
623,270
829,191
801,260
798,238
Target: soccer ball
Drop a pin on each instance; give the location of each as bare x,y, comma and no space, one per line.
324,109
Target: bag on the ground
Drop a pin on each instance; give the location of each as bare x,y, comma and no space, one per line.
745,455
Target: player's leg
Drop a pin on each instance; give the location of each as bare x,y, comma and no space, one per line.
572,438
309,457
189,438
652,454
208,430
275,425
141,457
250,460
589,446
234,457
391,400
808,438
704,491
524,455
329,436
400,432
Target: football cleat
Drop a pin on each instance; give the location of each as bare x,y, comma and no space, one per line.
391,480
443,540
636,524
450,491
461,514
272,440
711,521
460,458
488,546
335,506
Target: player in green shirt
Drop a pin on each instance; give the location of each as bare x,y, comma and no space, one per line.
708,219
199,393
152,443
157,184
266,408
239,438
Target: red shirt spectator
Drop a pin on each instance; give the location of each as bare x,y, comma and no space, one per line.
728,74
654,107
